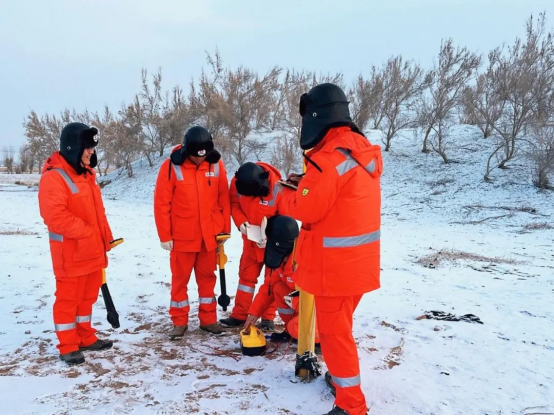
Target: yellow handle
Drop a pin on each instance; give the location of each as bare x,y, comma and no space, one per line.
222,237
103,276
252,331
116,242
221,256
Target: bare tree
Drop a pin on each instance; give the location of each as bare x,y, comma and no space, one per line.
129,142
43,135
208,107
541,153
367,100
285,154
402,84
108,129
243,105
483,96
447,80
523,86
176,117
9,160
285,151
23,159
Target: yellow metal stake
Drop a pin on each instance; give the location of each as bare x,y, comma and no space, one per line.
306,327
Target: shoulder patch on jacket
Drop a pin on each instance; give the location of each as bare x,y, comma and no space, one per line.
305,191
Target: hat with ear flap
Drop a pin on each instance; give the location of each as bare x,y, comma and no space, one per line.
74,139
323,107
197,142
281,232
252,180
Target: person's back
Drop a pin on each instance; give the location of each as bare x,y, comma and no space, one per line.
338,201
340,212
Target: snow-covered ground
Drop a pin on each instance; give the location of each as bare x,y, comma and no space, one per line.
450,242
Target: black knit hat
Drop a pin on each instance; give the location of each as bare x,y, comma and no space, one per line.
74,139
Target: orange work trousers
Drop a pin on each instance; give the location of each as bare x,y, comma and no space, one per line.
204,265
249,271
75,296
334,319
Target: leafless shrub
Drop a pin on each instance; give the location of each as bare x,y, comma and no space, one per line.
163,118
541,154
130,140
456,66
480,105
285,155
403,83
521,84
367,100
235,103
9,161
24,159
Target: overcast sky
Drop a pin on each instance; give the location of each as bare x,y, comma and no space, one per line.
58,54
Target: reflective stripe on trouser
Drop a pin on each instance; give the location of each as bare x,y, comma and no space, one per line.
249,271
334,320
75,296
280,290
291,323
204,265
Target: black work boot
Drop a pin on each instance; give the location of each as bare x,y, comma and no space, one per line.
73,358
98,345
266,325
280,337
329,382
231,322
337,411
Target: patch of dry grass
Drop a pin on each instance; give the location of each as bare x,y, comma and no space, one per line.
538,226
441,182
433,260
17,232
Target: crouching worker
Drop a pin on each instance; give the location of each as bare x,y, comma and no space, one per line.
255,193
282,232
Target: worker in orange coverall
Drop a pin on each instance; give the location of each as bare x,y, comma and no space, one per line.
338,202
191,207
71,205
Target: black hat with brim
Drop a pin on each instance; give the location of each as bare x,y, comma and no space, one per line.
281,232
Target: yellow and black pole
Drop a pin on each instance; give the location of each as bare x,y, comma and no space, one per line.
223,300
113,316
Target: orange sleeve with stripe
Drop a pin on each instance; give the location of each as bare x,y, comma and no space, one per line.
223,198
239,217
163,195
53,204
